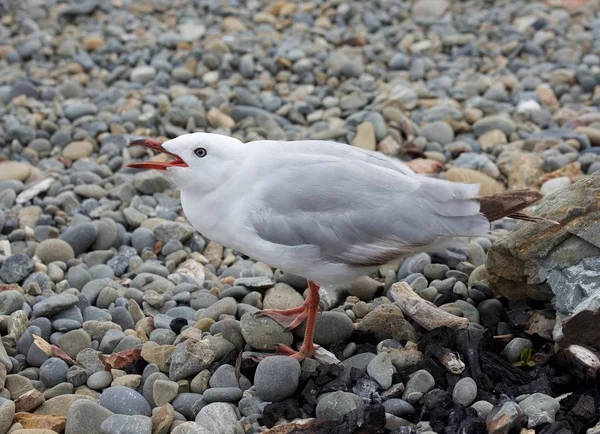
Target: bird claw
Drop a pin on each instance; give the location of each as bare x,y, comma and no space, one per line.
289,319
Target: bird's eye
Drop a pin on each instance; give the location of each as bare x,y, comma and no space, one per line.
200,152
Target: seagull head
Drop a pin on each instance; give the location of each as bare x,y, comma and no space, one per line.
199,160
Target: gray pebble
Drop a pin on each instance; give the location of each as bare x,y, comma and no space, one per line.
418,385
15,268
336,404
465,392
263,333
99,380
53,371
123,400
222,394
381,370
123,424
330,327
513,350
218,417
276,377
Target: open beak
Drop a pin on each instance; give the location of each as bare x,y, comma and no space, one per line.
158,165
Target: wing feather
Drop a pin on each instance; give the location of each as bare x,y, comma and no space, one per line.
357,212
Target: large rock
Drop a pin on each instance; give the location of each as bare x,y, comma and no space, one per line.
562,262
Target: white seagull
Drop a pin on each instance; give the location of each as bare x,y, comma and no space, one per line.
325,211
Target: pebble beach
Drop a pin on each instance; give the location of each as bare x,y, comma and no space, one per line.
117,317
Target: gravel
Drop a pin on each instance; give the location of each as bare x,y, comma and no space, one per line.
131,306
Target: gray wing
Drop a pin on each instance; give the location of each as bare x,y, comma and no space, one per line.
357,213
337,150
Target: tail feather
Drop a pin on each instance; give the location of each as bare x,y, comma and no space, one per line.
509,204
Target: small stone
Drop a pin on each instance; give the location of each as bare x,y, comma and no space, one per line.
40,424
540,409
15,268
491,312
492,138
80,237
85,416
143,74
189,358
438,131
53,371
73,342
218,417
387,322
59,405
7,414
553,185
364,288
514,349
262,333
162,419
277,378
126,424
418,385
77,150
282,296
232,24
188,404
123,400
398,407
465,392
150,182
337,404
158,354
508,417
222,394
13,170
365,136
381,370
330,327
200,382
100,380
164,391
487,185
29,401
489,123
225,376
482,408
53,305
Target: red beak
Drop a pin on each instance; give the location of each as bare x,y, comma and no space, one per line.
158,165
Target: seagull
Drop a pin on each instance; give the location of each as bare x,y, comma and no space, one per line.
326,211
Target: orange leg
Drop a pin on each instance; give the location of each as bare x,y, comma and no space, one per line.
292,318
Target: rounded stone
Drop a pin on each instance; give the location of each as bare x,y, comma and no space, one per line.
53,250
123,424
330,327
337,404
7,414
263,333
540,409
99,380
123,400
53,371
418,385
514,349
277,378
381,370
465,392
74,341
